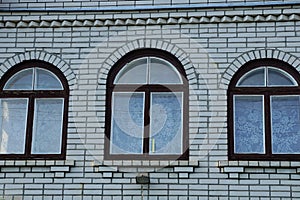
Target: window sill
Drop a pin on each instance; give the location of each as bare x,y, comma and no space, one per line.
36,163
138,166
235,169
154,163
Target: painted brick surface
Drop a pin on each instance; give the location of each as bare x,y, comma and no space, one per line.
54,4
212,44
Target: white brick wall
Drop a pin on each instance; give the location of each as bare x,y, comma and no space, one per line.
53,4
211,46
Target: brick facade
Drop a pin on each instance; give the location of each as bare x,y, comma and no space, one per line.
211,43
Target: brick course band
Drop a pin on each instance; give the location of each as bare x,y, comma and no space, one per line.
147,21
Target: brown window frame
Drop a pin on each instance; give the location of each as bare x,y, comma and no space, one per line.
147,89
31,95
266,92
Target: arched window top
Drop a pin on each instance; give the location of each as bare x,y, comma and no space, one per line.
34,75
267,72
148,70
266,77
34,78
147,67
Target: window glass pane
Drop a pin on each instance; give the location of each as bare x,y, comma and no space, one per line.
13,126
277,77
255,77
22,80
285,112
133,73
163,72
45,80
248,124
47,126
166,123
127,123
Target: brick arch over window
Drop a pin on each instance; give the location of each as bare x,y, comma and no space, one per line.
149,44
42,56
254,55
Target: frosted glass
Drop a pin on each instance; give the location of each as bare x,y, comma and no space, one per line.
285,114
255,77
127,123
47,126
161,72
278,77
133,73
166,123
13,126
45,80
248,124
21,81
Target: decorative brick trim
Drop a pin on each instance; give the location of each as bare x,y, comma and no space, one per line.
148,21
44,56
257,54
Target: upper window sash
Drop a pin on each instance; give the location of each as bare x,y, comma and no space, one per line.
148,70
33,79
266,77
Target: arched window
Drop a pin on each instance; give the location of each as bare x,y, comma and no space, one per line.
264,112
147,101
34,103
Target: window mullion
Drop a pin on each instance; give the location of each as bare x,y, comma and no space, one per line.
146,141
268,128
29,129
34,79
148,71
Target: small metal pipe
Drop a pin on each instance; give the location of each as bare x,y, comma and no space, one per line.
151,7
